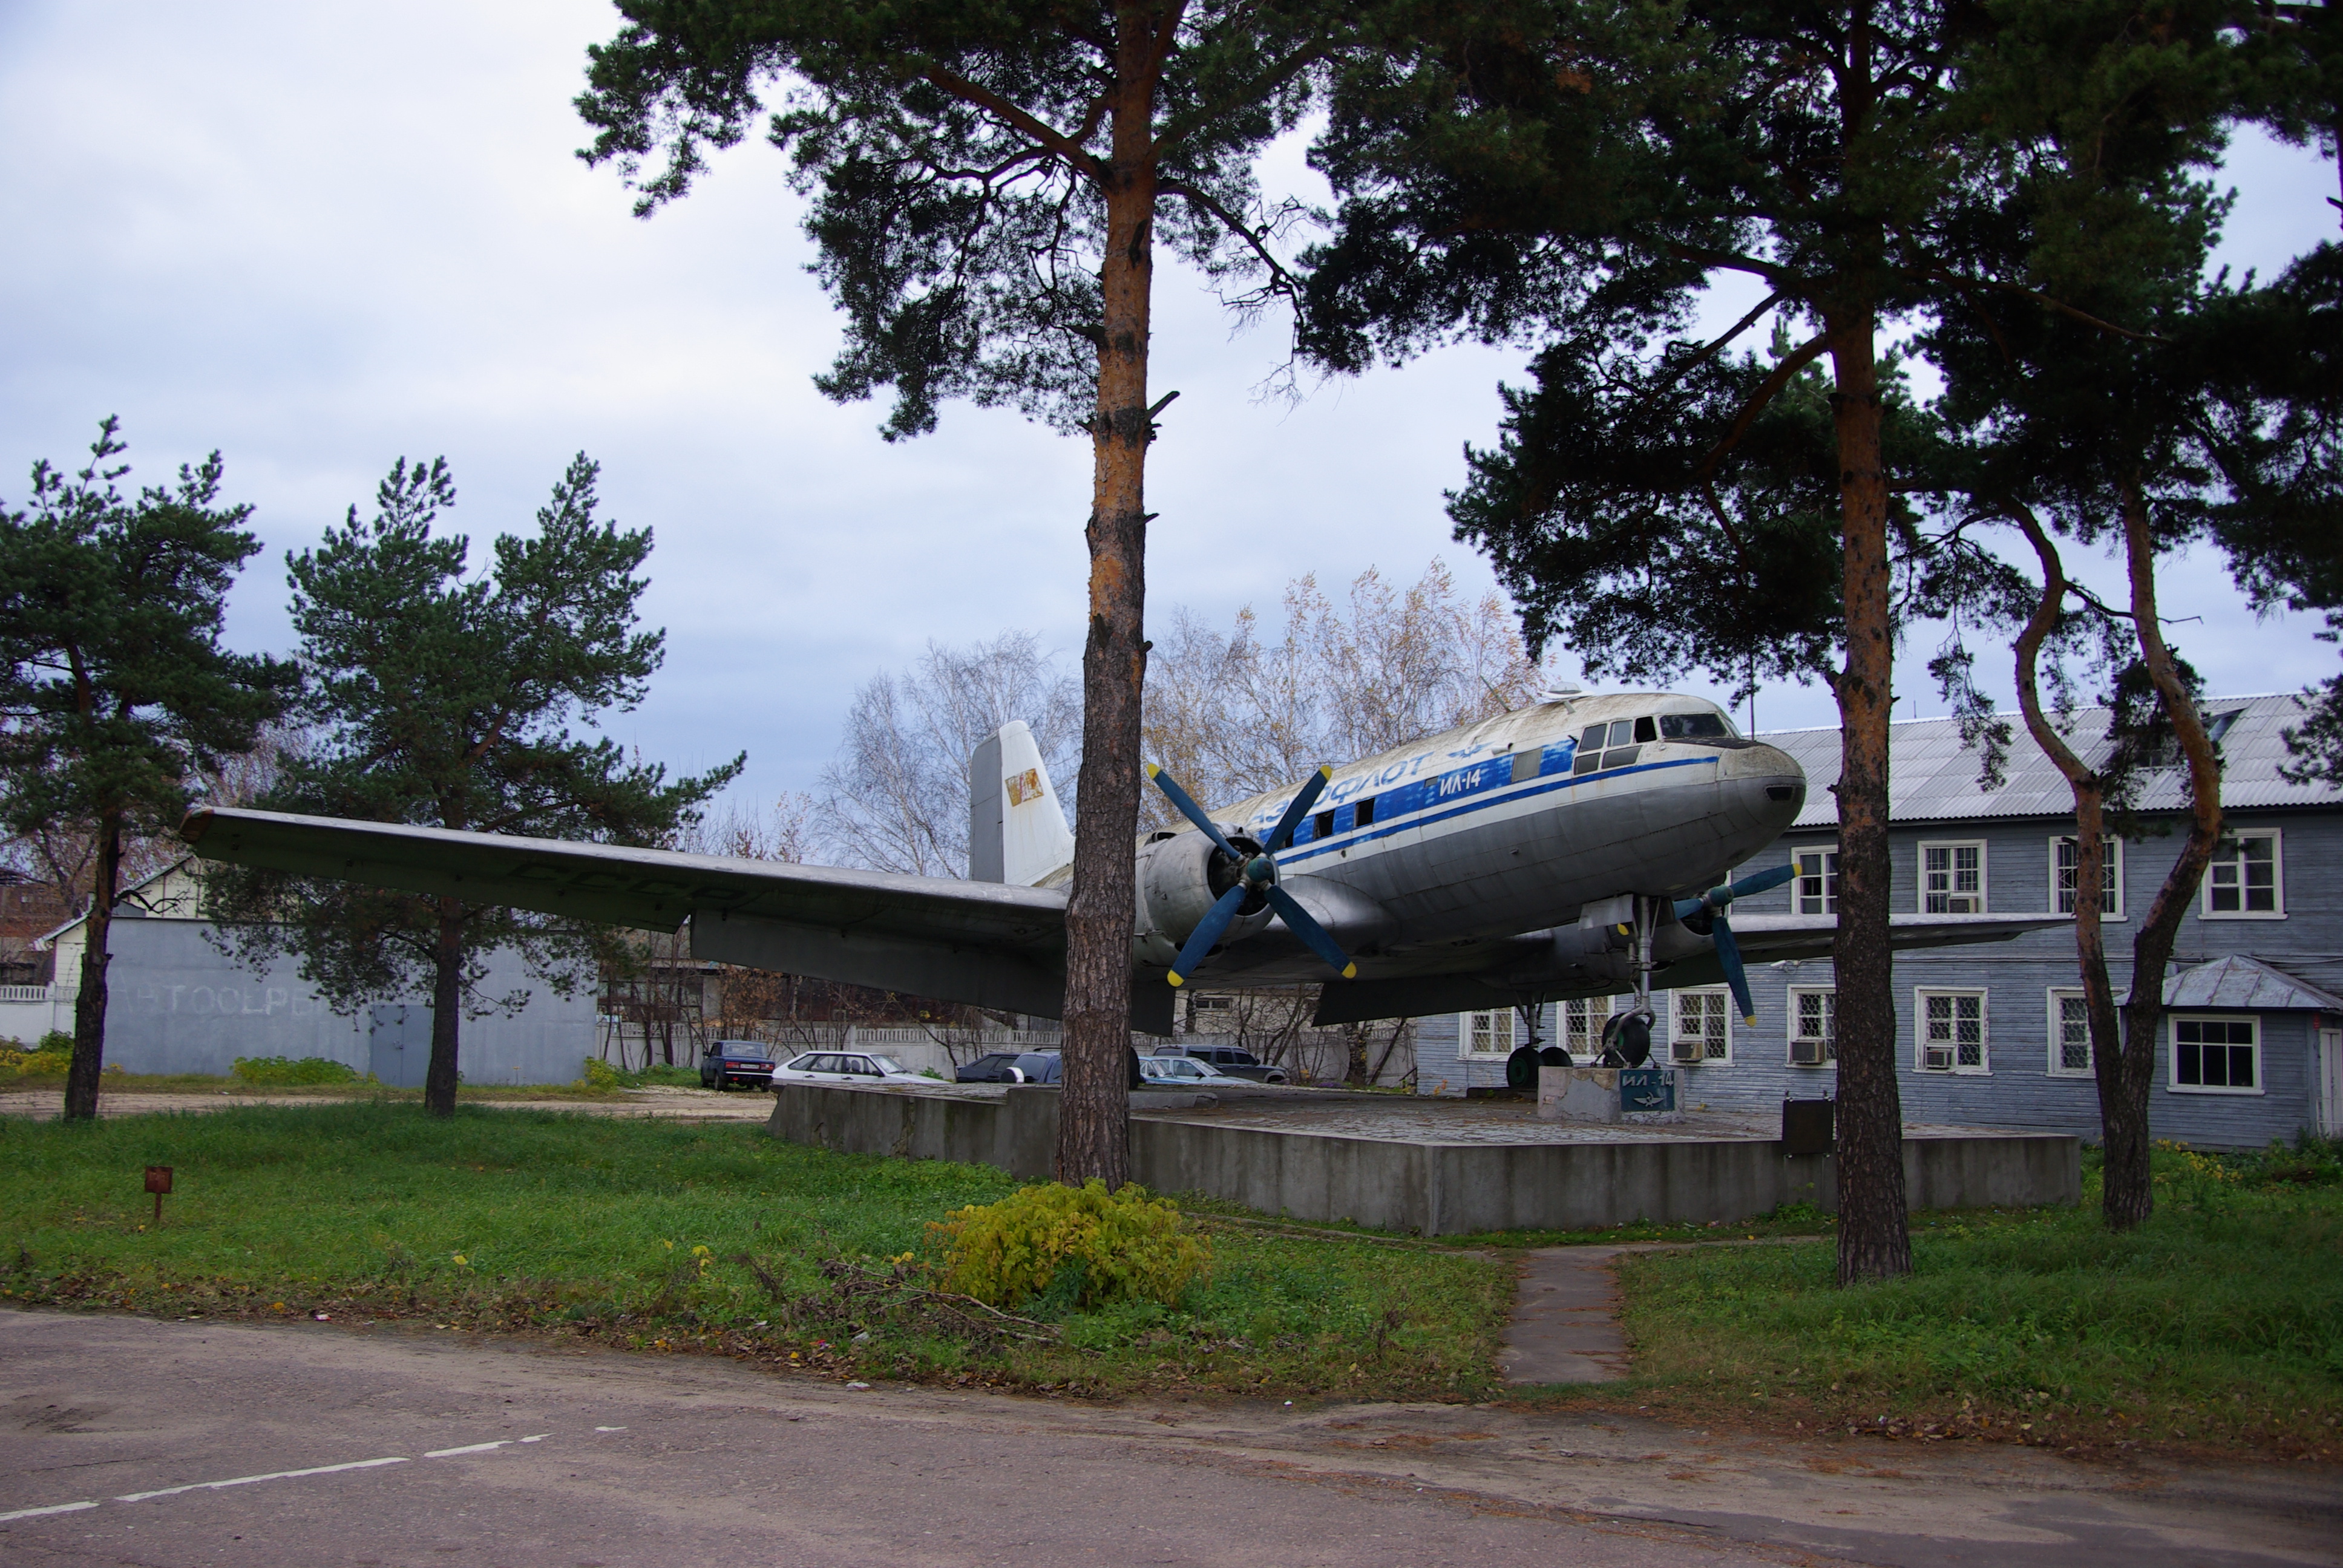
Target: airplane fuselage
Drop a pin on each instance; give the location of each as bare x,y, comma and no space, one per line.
1495,832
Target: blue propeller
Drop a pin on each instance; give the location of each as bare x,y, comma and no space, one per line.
1257,874
1728,951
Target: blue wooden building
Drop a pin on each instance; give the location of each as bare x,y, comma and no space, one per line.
1993,1035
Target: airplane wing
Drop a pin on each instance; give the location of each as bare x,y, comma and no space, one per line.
985,943
1771,939
1763,938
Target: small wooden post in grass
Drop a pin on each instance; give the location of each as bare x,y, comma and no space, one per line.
158,1181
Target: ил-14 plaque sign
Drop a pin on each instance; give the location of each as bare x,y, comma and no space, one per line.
1644,1090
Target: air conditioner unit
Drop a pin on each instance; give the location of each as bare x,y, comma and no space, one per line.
1806,1053
1689,1051
1965,904
1937,1057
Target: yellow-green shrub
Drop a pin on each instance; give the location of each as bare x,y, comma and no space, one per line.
1128,1245
52,1056
281,1071
600,1074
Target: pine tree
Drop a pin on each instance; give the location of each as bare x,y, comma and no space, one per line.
442,698
990,186
113,682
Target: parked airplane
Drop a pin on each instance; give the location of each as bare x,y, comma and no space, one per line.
1578,847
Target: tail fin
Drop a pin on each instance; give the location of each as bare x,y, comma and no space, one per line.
1017,831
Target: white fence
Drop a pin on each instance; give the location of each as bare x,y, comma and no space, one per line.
30,1012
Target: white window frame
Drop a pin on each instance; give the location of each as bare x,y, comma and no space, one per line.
1466,1029
1952,846
1828,855
1983,1066
1791,1035
2059,996
2172,1054
2114,869
1675,1025
2205,910
1585,1042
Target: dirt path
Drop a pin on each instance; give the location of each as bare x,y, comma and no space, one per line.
187,1443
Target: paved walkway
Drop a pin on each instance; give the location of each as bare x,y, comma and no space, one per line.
667,1104
1565,1326
176,1445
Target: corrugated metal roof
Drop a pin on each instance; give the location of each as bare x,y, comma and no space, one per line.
2247,985
1933,778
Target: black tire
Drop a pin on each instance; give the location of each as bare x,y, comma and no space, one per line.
1521,1068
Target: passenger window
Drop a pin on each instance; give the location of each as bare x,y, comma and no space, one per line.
1645,730
1321,826
1366,812
1622,732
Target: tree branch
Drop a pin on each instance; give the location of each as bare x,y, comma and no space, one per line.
1797,359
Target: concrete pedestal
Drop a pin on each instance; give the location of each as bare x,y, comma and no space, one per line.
1592,1094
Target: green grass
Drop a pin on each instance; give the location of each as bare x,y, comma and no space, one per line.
660,1235
2217,1326
131,1083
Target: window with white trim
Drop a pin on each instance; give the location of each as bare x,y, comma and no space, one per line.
2216,1054
1951,1029
1487,1033
2246,881
1700,1024
2066,860
1813,1025
1952,877
1814,889
1582,1021
2070,1033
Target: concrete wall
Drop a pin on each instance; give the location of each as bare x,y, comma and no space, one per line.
1433,1189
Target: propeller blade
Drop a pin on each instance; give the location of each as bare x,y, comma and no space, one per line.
1207,933
1283,834
1763,881
1302,924
1189,809
1728,953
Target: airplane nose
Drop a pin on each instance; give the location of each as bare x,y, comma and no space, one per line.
1773,769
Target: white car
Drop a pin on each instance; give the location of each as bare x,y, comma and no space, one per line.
1181,1071
846,1067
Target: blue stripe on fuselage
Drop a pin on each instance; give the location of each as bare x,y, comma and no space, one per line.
1492,796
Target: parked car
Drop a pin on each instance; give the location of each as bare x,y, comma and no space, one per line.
846,1067
1181,1071
736,1064
1012,1067
1231,1060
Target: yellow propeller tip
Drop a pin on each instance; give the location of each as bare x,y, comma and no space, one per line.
1324,771
1174,977
1750,1019
1152,771
1350,971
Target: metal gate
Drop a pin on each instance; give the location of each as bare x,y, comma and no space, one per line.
399,1044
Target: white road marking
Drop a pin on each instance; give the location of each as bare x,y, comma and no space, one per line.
249,1480
610,1429
52,1508
281,1476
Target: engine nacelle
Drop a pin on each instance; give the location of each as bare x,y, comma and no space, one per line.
1178,881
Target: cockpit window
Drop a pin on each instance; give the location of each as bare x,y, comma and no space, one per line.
1695,727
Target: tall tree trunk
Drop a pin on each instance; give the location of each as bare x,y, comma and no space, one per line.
2127,1197
447,1010
1875,1239
1094,1105
82,1077
2122,1117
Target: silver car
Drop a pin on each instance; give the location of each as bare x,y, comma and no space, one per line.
845,1067
1181,1071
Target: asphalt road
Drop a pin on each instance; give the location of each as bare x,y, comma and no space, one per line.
131,1441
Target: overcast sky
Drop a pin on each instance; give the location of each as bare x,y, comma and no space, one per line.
318,236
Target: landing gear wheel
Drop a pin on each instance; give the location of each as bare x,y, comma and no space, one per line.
1626,1039
1521,1068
